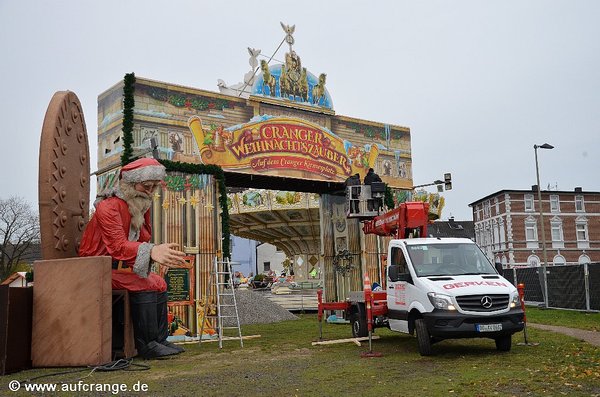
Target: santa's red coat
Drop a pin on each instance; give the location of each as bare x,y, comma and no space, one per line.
107,235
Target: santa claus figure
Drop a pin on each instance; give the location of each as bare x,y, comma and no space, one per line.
120,228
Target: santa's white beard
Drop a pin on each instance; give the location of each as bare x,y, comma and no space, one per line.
138,202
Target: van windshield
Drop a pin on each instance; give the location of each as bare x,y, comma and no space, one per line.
449,260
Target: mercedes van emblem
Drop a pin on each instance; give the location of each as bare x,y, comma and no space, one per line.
486,302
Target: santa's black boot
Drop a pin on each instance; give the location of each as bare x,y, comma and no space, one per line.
145,326
163,322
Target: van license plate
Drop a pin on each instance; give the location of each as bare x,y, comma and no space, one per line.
489,327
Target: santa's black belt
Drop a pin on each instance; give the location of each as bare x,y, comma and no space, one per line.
118,264
121,267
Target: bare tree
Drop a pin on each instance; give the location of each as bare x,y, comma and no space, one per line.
19,229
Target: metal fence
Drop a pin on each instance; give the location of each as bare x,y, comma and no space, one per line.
569,286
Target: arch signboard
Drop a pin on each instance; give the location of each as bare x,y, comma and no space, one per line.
276,145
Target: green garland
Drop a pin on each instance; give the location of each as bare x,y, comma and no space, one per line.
189,101
217,172
388,198
128,105
375,132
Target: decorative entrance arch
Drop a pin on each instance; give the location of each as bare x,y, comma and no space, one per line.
277,131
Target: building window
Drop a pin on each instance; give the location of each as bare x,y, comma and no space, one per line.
486,209
559,260
529,202
554,203
502,235
584,259
557,233
579,207
488,239
496,239
531,237
266,266
533,261
497,259
530,232
483,238
497,205
581,230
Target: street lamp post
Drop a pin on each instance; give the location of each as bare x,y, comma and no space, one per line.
539,194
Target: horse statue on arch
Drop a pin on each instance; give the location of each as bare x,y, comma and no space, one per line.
318,90
304,85
284,83
268,78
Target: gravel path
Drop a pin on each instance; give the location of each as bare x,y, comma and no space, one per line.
253,308
592,337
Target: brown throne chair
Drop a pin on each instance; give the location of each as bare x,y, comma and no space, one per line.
72,297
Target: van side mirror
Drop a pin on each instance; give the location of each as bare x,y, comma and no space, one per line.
499,268
395,275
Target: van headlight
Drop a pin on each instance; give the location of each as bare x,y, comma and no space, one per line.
440,301
514,300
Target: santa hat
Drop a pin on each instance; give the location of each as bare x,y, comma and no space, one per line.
141,170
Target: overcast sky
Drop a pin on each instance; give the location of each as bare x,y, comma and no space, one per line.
478,82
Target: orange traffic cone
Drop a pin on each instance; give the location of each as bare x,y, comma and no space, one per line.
367,282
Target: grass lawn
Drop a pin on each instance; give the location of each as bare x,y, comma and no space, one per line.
282,362
565,318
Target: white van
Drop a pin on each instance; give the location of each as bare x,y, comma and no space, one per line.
447,288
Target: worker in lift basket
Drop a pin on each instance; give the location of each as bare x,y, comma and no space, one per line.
369,179
354,183
121,228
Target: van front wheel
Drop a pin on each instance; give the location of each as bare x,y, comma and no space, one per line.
503,343
423,337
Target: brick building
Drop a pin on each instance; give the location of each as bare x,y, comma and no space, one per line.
507,226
